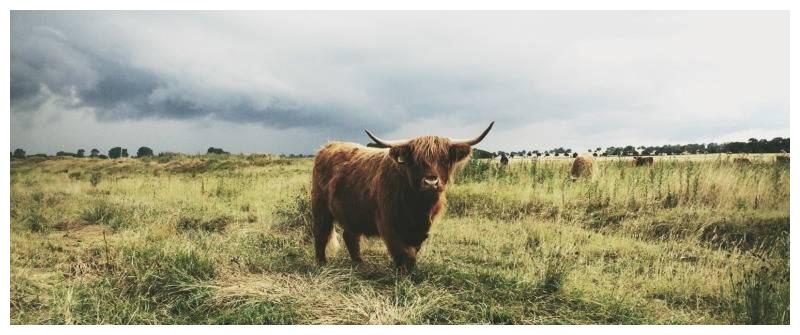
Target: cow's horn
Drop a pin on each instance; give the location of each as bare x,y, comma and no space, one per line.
384,143
476,140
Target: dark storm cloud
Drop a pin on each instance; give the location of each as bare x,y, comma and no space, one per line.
47,61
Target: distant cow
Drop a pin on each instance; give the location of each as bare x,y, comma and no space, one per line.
395,192
504,160
741,161
583,166
640,161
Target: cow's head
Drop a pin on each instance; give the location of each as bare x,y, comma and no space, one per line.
428,161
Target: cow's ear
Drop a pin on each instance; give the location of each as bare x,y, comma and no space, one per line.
459,152
399,154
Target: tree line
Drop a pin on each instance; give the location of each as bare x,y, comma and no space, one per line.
776,145
752,145
113,153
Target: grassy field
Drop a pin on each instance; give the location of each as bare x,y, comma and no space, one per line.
225,240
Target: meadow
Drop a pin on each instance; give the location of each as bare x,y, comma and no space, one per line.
218,239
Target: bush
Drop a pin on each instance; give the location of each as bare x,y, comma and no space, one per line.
35,219
106,213
295,212
94,179
762,296
216,224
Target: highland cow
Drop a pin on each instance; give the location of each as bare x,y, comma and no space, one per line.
504,160
641,161
741,161
583,166
395,192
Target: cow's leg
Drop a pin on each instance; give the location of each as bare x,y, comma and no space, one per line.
403,255
353,243
322,229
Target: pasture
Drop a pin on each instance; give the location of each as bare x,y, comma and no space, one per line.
224,240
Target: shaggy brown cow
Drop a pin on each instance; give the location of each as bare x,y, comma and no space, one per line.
583,166
640,161
504,160
395,192
741,161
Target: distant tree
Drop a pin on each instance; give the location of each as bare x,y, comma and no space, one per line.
65,154
594,154
478,153
81,153
102,156
19,153
94,153
574,155
115,152
217,151
144,152
612,151
629,151
124,152
370,144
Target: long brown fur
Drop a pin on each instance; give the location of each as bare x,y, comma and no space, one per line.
641,161
373,192
583,166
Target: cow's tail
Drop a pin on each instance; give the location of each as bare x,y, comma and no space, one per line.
333,243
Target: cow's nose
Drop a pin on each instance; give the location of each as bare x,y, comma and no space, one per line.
431,180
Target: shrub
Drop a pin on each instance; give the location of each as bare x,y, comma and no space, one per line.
106,213
94,179
19,153
294,212
762,296
555,273
35,219
216,224
217,151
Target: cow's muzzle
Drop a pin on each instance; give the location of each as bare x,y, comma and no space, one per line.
431,183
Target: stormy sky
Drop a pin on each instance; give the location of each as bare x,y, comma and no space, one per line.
287,82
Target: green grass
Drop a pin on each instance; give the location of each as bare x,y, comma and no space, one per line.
225,240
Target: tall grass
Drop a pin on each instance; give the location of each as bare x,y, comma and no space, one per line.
184,239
